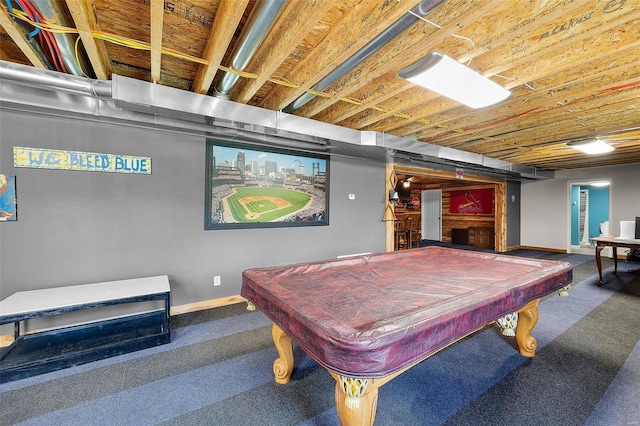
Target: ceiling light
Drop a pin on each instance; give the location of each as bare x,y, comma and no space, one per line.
592,146
600,183
441,74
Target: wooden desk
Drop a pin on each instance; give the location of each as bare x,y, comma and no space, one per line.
367,319
614,243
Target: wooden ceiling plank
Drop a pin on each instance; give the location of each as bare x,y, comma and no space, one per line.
298,19
515,18
156,22
577,43
629,44
18,35
84,18
402,51
510,152
576,159
542,101
357,27
592,19
577,99
571,128
226,21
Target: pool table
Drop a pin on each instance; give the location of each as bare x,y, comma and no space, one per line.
366,319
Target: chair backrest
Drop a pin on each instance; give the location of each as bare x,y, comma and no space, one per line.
414,223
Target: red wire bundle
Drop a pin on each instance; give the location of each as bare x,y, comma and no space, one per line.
47,41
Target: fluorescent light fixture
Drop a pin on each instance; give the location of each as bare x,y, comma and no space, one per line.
443,75
591,147
600,183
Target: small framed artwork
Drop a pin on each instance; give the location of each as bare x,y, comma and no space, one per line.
256,187
8,203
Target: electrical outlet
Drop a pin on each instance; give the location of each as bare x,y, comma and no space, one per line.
216,280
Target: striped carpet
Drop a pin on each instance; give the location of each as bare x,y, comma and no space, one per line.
217,371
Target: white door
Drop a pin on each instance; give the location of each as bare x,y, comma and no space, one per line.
432,214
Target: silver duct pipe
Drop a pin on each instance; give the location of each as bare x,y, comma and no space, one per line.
395,29
258,25
51,12
138,103
50,80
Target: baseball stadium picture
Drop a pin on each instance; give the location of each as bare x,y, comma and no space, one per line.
248,186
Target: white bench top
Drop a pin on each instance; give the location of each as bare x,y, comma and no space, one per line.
47,299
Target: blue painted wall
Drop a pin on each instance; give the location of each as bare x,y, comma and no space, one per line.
598,210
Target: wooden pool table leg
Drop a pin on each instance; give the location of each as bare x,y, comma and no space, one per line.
527,319
356,400
283,366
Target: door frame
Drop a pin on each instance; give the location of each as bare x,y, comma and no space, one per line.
500,186
582,182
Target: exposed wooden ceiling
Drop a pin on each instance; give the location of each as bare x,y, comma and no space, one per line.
573,66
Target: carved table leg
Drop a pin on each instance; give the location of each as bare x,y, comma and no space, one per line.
356,401
527,319
283,366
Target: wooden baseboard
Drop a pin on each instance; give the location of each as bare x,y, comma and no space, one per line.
6,340
552,250
206,304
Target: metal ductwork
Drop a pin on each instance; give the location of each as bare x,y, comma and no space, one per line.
258,25
395,29
132,102
51,80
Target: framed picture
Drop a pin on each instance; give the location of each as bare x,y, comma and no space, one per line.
255,187
8,203
473,201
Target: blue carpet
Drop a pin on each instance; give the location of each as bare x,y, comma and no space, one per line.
218,372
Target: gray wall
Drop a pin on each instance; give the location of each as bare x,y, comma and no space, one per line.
513,213
78,227
546,204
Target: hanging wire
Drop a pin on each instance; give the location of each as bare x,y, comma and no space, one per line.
440,27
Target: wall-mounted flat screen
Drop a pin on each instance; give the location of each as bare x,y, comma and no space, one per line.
251,186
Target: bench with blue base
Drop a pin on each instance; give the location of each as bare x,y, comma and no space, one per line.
50,350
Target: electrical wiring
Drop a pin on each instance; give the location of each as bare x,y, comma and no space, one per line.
482,126
282,82
77,55
46,40
36,47
30,35
50,28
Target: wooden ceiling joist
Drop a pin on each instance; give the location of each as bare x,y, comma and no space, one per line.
572,66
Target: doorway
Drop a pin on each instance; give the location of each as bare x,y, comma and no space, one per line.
429,179
589,214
